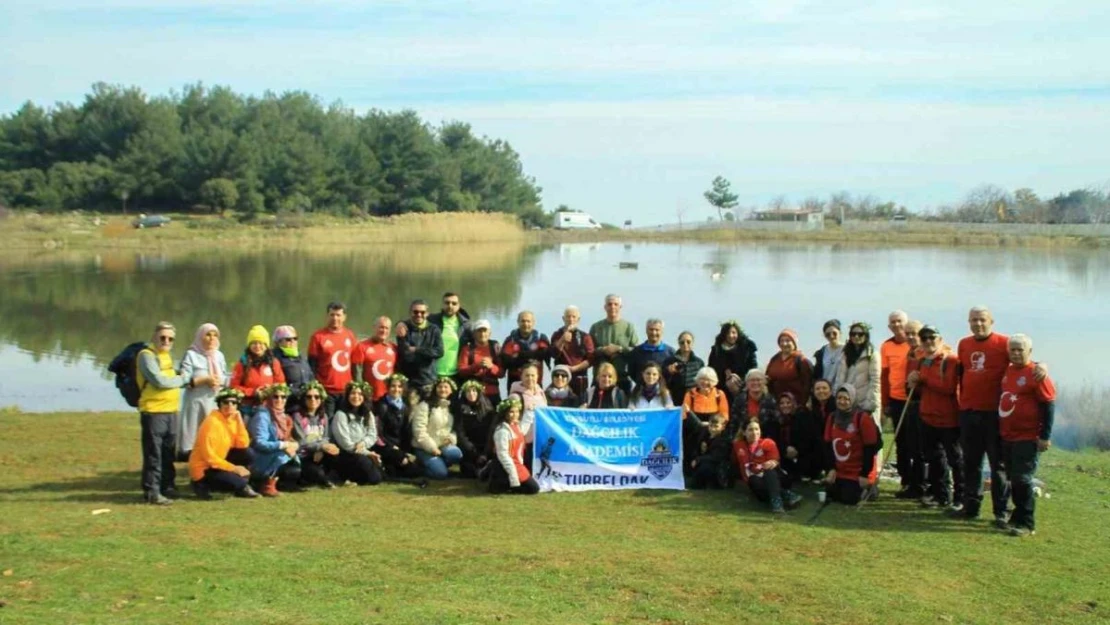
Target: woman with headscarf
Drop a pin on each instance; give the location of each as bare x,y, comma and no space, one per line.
395,430
312,431
255,369
852,443
733,354
205,371
294,365
275,451
860,367
826,359
789,370
355,431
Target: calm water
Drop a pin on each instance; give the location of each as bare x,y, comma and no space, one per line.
61,321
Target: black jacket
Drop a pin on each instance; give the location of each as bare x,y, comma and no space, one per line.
740,360
297,371
473,425
393,425
419,365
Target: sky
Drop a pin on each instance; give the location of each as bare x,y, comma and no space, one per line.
628,109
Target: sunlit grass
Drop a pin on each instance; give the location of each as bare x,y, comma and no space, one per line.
452,554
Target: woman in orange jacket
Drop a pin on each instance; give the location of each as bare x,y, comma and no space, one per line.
221,455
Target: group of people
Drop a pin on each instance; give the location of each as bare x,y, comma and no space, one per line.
425,394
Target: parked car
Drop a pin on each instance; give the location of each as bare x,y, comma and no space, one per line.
151,221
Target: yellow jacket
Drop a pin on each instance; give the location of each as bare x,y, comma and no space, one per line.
217,436
162,395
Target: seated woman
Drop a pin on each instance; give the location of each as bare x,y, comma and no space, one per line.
798,437
760,468
221,455
531,394
255,369
355,431
701,404
394,444
433,431
508,474
559,393
205,371
852,440
474,420
275,451
312,431
650,392
605,394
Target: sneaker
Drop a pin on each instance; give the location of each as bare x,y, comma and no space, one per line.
171,493
157,499
330,485
962,513
776,505
928,501
200,489
956,507
1021,532
1002,523
791,500
247,493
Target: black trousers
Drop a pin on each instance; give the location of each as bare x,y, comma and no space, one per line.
847,492
358,468
220,480
499,482
158,443
768,486
911,455
805,465
392,459
317,473
707,473
946,463
1021,461
289,475
978,438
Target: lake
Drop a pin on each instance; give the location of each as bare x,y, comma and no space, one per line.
63,318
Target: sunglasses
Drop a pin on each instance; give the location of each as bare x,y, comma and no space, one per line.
420,312
559,375
233,402
166,339
929,337
313,397
288,338
281,397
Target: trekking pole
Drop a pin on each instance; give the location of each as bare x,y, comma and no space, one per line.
897,429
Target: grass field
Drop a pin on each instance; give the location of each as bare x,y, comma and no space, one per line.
452,554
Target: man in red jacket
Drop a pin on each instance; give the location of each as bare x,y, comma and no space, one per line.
1025,414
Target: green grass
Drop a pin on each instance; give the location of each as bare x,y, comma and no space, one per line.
452,554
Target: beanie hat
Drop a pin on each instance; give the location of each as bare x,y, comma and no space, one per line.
284,332
834,323
793,334
561,369
258,334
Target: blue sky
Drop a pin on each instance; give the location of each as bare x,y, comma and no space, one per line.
628,109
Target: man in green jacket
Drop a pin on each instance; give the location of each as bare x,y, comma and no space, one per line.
614,338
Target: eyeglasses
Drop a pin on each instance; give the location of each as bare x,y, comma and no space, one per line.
166,339
313,397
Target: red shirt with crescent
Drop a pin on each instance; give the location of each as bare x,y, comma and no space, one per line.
331,349
983,363
847,445
750,458
377,361
1019,408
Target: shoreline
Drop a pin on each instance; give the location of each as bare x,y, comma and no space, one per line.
34,233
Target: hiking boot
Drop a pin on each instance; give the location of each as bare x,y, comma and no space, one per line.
776,505
247,493
909,493
791,499
157,499
963,514
1021,532
1001,523
171,493
269,488
202,492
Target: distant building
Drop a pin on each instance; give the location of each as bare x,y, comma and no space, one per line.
801,218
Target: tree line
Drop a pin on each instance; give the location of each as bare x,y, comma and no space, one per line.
213,149
984,204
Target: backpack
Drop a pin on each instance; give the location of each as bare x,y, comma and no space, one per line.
125,366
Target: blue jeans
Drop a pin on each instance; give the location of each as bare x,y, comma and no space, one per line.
435,467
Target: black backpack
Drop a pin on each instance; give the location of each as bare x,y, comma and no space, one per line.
124,367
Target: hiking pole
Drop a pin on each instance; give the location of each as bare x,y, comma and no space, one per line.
897,429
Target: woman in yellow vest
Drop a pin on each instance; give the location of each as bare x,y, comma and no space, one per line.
159,399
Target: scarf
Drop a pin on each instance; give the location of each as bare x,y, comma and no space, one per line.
398,403
210,354
281,421
649,392
843,418
558,393
290,352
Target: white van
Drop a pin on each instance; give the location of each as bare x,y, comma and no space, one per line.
575,221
